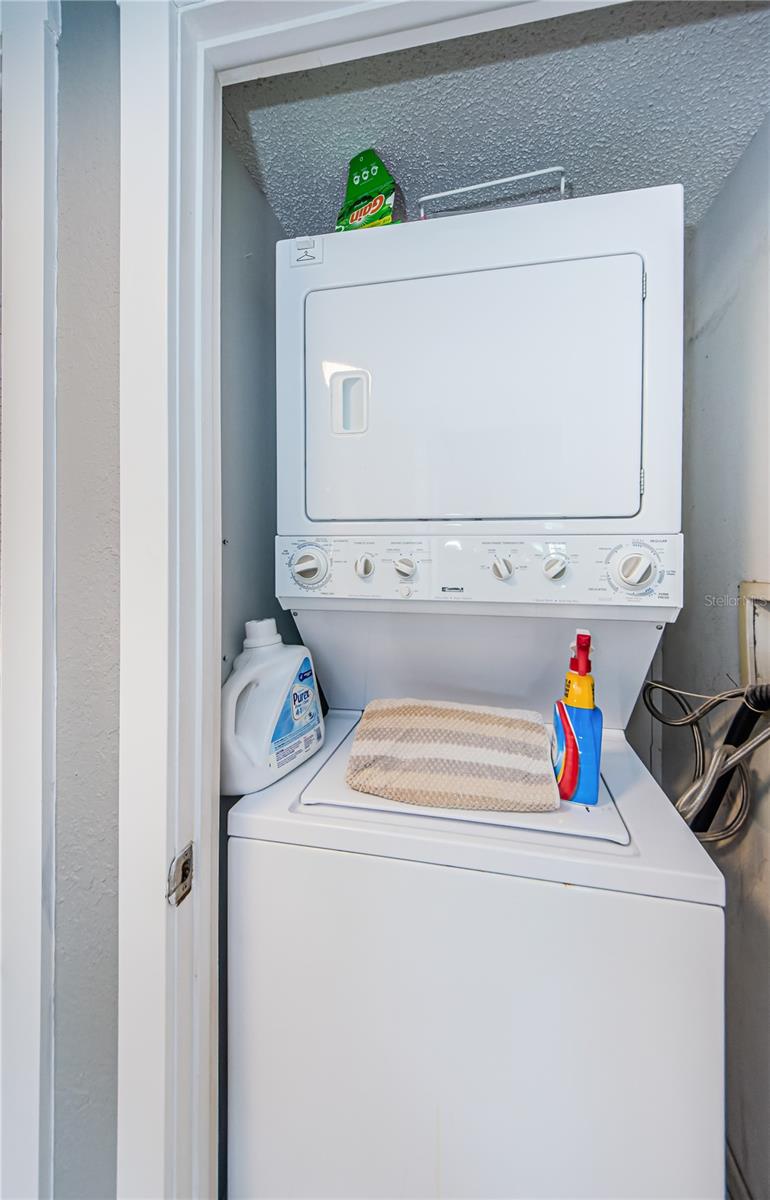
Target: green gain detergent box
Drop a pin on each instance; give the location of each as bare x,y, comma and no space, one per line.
372,196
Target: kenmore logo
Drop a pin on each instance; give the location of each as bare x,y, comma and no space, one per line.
452,589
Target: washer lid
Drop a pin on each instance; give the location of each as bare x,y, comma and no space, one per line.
600,821
663,858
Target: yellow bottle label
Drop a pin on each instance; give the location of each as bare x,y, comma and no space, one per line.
579,690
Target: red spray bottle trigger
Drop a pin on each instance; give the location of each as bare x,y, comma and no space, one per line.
580,652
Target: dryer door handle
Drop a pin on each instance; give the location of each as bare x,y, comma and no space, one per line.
349,392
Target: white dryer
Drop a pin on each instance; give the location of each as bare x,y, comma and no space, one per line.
479,446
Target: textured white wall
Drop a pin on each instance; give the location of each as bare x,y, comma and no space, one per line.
87,561
624,97
727,539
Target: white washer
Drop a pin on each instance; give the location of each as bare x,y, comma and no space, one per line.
479,447
422,1006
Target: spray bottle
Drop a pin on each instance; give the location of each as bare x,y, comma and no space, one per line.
577,727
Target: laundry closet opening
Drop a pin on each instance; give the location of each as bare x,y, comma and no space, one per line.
625,98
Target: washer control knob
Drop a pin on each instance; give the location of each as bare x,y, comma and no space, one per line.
636,570
502,568
365,566
310,567
406,568
555,566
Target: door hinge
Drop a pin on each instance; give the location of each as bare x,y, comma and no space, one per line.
644,285
641,482
180,876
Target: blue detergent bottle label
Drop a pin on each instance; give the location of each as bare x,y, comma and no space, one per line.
298,730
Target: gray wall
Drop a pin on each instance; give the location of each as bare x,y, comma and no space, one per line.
249,233
727,539
87,564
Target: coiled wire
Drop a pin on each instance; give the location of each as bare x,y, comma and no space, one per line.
725,758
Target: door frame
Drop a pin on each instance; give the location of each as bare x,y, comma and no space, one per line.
30,34
175,60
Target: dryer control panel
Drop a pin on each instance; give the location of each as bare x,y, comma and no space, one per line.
578,570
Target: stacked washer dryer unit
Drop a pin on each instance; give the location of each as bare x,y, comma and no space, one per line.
479,449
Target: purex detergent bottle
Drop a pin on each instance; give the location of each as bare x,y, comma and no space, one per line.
271,711
577,728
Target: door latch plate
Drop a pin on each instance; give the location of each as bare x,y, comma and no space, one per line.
180,876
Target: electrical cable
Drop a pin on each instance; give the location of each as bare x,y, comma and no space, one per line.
703,798
756,702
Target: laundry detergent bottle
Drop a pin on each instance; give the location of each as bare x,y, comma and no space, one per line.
271,711
577,729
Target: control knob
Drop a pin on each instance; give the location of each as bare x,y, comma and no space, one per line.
555,566
502,568
311,566
365,566
406,568
636,570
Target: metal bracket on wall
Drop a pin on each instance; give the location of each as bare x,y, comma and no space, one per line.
754,632
180,876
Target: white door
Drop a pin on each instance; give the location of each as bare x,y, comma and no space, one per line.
510,393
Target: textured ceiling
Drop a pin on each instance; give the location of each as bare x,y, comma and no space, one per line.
624,97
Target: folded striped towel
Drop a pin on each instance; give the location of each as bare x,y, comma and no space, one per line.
443,755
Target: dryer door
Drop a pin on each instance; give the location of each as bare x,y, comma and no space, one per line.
508,393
